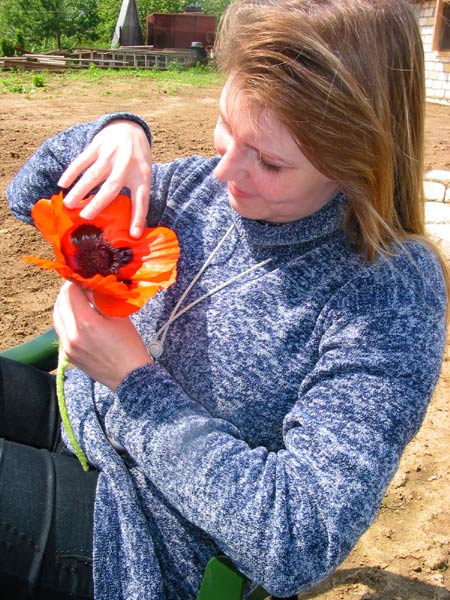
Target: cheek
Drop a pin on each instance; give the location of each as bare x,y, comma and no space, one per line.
267,184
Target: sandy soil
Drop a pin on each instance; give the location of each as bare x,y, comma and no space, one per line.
405,554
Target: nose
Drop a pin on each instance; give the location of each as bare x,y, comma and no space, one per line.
231,163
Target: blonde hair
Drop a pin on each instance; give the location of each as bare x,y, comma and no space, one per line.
347,78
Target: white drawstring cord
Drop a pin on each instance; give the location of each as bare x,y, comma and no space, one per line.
156,346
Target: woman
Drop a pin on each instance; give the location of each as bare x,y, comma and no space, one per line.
266,421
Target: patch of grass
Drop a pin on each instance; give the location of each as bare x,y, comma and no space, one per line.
21,82
15,84
168,87
169,81
38,81
198,76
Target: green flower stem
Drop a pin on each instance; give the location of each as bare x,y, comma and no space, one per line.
62,365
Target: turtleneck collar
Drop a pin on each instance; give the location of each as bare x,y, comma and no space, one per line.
317,225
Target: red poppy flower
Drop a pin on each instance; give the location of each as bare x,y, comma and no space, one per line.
99,255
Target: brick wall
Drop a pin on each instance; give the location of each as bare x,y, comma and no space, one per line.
437,65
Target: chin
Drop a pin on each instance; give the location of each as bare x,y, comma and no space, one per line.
248,212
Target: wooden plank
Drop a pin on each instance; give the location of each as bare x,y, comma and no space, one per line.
140,58
29,65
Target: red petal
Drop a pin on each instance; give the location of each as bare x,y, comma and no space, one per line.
155,254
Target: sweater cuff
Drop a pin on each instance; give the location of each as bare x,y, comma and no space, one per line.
145,381
147,395
110,117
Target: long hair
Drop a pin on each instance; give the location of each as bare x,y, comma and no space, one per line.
347,79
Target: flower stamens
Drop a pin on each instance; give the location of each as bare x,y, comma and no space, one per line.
95,255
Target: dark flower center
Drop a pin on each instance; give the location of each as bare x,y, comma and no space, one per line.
96,256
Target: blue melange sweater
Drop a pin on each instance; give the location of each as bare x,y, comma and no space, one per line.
274,420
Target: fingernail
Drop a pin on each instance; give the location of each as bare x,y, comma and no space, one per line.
136,231
87,214
69,203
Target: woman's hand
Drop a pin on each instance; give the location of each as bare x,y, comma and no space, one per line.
105,348
119,156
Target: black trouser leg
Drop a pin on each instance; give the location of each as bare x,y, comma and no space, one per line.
28,405
46,499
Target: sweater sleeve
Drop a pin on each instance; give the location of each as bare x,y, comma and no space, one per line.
39,176
288,518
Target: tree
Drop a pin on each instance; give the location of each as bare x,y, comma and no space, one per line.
41,21
65,23
214,7
108,12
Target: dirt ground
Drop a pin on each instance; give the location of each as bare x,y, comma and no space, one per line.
405,555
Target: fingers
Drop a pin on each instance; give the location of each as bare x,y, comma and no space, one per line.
140,204
126,172
62,320
98,170
105,348
118,157
71,314
77,166
110,188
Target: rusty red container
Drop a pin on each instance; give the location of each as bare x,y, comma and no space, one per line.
179,30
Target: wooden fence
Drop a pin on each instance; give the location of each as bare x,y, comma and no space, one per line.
141,57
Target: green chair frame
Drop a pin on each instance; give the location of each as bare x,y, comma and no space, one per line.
40,352
221,580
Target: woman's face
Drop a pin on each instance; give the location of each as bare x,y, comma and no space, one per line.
268,176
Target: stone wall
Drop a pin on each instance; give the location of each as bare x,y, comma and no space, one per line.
437,64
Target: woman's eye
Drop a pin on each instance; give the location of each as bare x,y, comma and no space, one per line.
267,165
